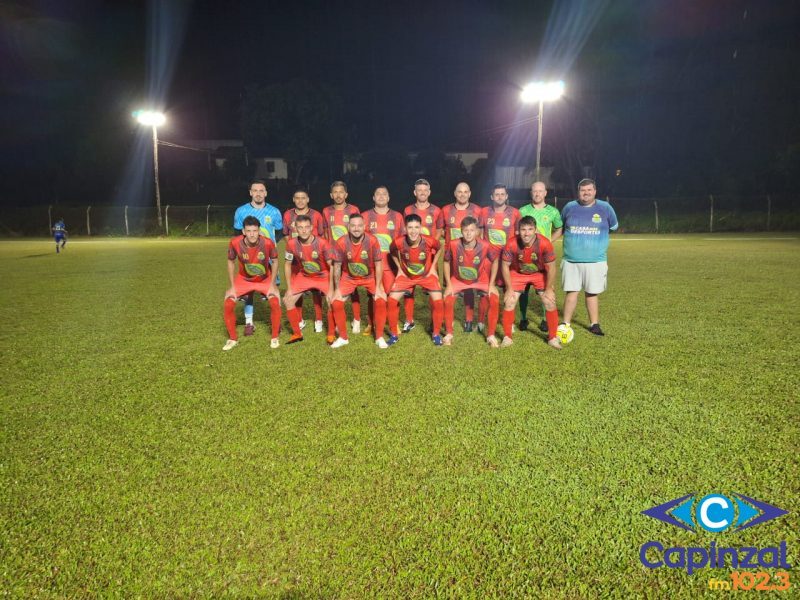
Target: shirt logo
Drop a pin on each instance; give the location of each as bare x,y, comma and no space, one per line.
422,256
596,218
261,256
476,260
364,254
429,219
390,225
314,254
346,218
506,222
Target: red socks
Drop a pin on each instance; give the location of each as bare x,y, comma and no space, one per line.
438,315
449,313
552,323
508,322
380,318
340,319
494,315
409,306
393,315
229,314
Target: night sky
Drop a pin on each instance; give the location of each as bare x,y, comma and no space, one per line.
693,94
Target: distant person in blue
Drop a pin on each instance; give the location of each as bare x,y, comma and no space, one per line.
271,221
60,235
587,223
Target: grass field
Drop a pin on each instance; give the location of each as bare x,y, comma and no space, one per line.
138,459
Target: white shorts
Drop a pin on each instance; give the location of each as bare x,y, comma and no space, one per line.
589,277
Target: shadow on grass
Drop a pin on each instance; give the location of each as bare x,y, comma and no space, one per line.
37,255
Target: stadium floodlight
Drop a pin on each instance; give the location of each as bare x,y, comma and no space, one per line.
541,92
154,119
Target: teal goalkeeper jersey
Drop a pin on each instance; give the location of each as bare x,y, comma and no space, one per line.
547,218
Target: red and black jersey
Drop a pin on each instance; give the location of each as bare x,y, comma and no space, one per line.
500,226
310,259
384,227
473,264
358,259
336,220
254,261
432,220
531,259
452,216
317,222
415,261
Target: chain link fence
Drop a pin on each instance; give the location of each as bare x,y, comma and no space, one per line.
709,214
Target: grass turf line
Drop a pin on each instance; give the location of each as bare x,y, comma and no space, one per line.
138,459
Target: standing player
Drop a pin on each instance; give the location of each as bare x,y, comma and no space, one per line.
453,215
587,223
526,258
271,222
307,266
59,231
500,225
416,257
432,225
255,254
301,200
336,217
385,224
358,262
548,223
470,263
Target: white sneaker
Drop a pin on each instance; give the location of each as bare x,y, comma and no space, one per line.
381,343
554,343
448,340
302,324
356,326
339,342
317,326
274,343
229,345
492,341
507,341
481,327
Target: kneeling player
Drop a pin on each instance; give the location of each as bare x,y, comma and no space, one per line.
416,257
254,252
470,264
307,267
358,262
525,258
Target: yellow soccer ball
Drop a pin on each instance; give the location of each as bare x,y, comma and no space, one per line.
564,333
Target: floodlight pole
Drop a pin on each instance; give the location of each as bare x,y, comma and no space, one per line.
539,141
155,170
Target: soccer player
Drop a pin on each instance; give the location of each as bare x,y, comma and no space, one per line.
385,224
453,214
255,254
416,257
499,225
527,257
301,200
307,266
59,231
432,225
470,263
548,223
270,219
336,217
358,262
587,223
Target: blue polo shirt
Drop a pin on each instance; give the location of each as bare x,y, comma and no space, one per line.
270,218
586,231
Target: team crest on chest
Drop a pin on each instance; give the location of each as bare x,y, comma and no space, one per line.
429,219
364,254
261,256
422,255
390,225
476,260
314,254
506,222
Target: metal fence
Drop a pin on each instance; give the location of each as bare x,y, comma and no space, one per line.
636,215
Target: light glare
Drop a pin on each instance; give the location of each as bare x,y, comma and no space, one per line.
542,91
151,118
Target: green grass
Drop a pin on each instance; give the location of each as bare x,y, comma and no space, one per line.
138,459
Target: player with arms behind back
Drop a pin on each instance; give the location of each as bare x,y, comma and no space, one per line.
255,254
59,231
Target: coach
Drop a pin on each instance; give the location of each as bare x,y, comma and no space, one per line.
587,222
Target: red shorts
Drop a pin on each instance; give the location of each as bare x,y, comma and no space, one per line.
520,280
459,286
302,283
242,287
348,284
403,283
